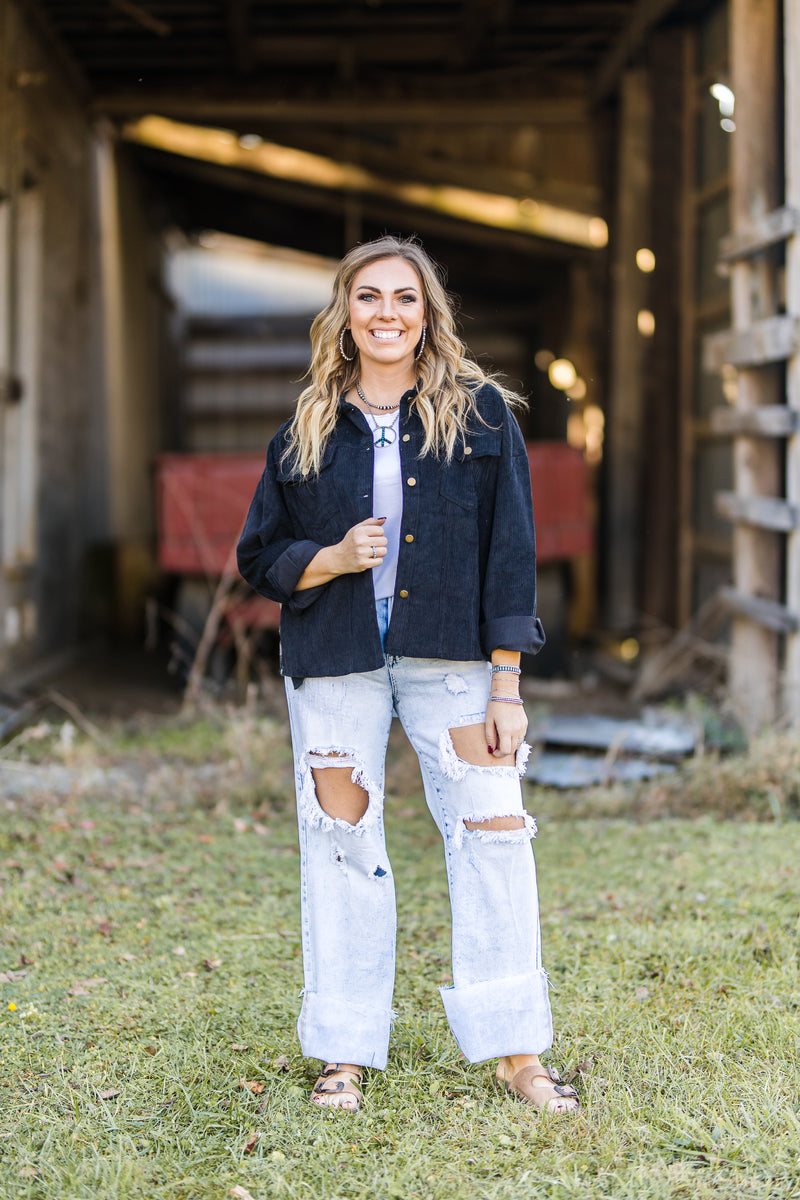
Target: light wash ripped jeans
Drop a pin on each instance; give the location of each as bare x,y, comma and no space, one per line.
498,1003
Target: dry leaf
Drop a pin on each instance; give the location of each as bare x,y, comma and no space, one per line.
123,958
179,950
205,837
281,1063
30,1172
250,1144
252,1085
104,928
642,993
82,986
239,1047
109,1095
240,1193
239,825
12,976
211,963
581,1070
24,961
150,1049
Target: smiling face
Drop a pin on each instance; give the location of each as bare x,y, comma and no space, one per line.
387,312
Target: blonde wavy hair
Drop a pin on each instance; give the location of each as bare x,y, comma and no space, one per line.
447,378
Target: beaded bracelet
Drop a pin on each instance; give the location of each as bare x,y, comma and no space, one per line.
513,670
506,699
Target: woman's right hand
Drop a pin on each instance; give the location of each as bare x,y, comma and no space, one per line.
353,554
355,550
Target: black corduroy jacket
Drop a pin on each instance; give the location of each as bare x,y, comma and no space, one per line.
466,574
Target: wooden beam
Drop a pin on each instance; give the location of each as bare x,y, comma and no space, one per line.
479,19
400,161
757,468
773,339
625,422
774,420
776,226
686,304
333,110
646,13
661,431
142,17
238,35
761,512
55,46
386,48
381,210
768,613
791,75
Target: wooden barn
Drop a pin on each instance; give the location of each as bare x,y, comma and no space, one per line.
612,185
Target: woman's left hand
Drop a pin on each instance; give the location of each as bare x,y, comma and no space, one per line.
505,728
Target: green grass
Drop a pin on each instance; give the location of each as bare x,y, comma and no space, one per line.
168,893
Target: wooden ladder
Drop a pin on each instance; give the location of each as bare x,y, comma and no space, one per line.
764,600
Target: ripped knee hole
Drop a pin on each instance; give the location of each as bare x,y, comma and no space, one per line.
504,823
337,795
469,743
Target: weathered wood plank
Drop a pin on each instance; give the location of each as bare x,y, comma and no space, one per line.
756,177
625,426
776,226
645,14
768,613
142,17
773,420
791,43
238,35
772,339
763,512
467,109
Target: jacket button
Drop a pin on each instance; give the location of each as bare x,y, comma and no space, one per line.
406,437
409,537
411,481
403,595
468,449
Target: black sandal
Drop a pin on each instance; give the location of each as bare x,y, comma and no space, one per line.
343,1087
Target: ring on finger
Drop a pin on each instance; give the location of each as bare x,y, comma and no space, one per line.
374,552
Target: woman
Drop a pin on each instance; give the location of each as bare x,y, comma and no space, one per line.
393,523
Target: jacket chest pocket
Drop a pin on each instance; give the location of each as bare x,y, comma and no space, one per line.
313,503
461,477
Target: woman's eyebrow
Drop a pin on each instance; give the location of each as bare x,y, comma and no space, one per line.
371,288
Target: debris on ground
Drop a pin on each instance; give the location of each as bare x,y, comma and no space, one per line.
632,750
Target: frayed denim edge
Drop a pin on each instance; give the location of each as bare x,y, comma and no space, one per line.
456,768
308,804
512,836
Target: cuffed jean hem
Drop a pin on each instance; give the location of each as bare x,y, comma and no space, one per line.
500,1016
335,1031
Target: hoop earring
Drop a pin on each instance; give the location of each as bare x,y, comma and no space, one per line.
422,342
346,357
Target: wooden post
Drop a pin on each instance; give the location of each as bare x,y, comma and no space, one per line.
628,288
791,18
661,382
757,466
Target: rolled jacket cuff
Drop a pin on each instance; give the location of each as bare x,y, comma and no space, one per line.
523,634
285,573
